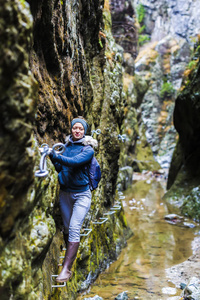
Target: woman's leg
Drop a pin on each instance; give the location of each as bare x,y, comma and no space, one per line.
82,202
66,208
81,207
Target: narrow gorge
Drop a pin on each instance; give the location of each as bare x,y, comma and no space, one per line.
131,68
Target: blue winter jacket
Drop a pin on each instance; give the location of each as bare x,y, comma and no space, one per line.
72,164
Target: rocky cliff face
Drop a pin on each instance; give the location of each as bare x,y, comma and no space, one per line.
174,17
58,60
183,182
170,64
167,31
166,76
136,153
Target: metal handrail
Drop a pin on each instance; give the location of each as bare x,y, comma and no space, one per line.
101,222
87,229
120,193
116,207
118,202
110,213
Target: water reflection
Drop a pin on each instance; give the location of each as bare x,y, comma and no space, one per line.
155,246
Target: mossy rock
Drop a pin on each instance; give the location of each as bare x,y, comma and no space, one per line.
144,159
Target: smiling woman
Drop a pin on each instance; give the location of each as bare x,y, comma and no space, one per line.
79,128
75,194
77,131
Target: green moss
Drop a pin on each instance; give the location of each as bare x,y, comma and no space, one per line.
184,199
184,195
140,12
141,29
142,39
23,2
191,204
191,64
167,90
100,43
144,159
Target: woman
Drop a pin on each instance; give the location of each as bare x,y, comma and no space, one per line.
75,194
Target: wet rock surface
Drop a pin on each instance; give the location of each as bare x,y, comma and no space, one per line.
63,62
122,296
59,60
125,178
18,106
183,182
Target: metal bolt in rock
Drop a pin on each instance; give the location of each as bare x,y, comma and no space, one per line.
98,131
122,137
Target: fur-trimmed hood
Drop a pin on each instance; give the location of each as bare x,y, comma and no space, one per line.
87,140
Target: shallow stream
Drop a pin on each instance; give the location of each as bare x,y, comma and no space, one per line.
155,246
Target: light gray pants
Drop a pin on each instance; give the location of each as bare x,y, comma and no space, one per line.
74,207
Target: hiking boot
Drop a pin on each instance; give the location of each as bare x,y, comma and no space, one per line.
70,256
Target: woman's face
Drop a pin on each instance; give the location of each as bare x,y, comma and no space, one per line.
77,131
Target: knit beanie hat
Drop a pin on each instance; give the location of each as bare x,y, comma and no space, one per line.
83,122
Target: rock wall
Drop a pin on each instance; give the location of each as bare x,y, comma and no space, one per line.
178,18
58,60
171,57
167,31
136,153
183,181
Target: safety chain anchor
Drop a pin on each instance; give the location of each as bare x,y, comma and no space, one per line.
98,131
122,137
45,150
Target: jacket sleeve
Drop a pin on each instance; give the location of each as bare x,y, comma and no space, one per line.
56,164
78,160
